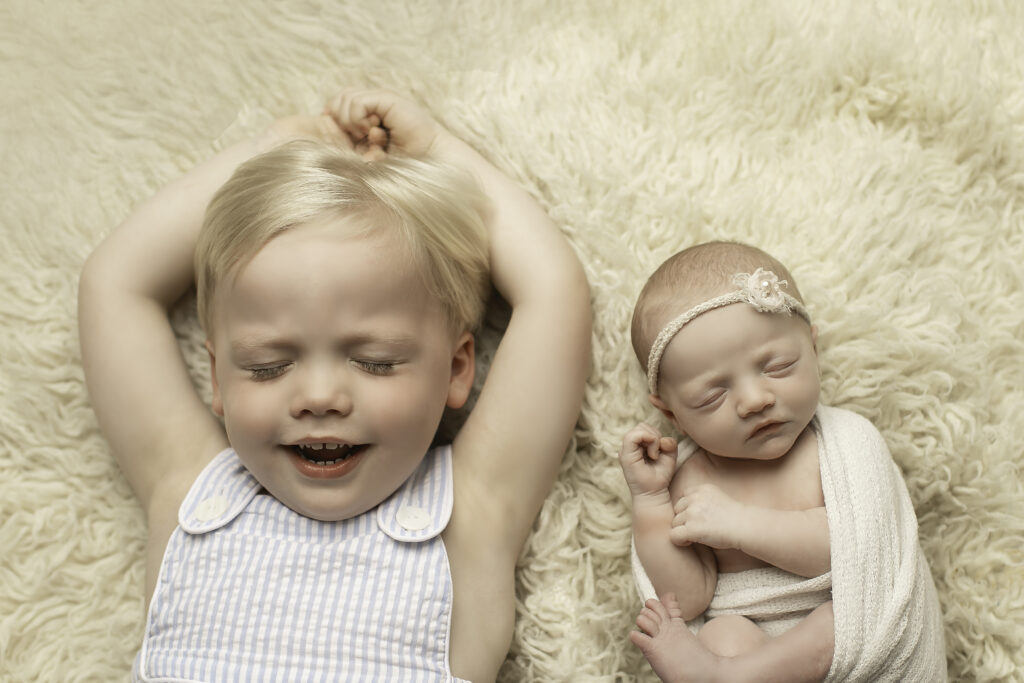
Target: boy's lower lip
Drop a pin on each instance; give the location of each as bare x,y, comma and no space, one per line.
335,470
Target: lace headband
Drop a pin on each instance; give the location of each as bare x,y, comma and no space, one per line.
762,289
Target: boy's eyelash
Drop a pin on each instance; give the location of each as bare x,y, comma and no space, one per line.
264,373
261,374
376,367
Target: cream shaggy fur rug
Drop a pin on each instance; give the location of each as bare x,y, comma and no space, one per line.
877,148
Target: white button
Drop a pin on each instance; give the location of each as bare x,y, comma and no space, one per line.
211,508
412,518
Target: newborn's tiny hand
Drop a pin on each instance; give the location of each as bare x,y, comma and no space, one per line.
648,460
707,515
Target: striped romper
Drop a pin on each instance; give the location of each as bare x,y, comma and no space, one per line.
251,590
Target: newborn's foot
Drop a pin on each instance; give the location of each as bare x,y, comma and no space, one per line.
673,651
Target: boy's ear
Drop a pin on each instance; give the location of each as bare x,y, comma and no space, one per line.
666,411
216,403
814,337
463,370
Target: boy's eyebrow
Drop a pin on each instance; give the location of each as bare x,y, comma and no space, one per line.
388,339
257,342
254,342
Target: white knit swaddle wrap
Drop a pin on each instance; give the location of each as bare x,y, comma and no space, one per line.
888,626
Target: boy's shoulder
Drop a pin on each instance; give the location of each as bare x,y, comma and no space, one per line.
174,486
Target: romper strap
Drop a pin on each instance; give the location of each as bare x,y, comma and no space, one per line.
421,508
219,495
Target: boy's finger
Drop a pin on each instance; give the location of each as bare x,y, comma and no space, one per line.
354,114
378,136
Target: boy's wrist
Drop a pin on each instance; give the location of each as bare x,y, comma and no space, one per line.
270,138
276,134
445,146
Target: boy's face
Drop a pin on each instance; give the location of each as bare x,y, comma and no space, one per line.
741,384
332,365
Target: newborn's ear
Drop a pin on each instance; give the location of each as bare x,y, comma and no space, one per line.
663,407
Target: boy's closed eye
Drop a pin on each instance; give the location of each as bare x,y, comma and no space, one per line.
377,367
266,372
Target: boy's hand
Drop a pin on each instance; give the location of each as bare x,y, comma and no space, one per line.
648,460
707,515
379,122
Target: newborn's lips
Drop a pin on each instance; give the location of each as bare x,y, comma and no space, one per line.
766,427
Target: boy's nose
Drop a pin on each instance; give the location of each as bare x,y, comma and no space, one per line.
322,391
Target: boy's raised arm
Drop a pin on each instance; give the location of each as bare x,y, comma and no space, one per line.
526,412
139,386
511,445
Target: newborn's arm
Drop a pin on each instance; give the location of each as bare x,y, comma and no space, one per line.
690,571
794,540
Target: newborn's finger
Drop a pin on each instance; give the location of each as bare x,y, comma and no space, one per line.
646,622
640,639
672,605
659,609
680,536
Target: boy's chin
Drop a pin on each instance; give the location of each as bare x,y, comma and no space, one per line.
329,511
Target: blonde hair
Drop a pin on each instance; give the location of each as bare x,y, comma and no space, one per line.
436,210
693,275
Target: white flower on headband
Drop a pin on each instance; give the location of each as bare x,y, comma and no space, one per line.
762,289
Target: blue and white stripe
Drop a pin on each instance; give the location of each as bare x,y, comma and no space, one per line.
251,590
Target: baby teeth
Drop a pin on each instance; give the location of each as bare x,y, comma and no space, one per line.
307,450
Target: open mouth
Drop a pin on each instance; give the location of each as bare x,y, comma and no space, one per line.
328,453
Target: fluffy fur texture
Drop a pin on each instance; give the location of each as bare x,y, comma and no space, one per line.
875,148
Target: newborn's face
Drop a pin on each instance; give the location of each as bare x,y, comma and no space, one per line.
742,384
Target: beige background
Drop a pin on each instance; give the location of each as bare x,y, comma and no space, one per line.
877,148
